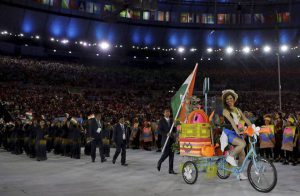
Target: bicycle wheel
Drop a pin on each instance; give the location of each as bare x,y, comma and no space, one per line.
189,172
221,171
263,176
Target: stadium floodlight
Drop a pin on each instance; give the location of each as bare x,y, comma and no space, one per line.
246,49
209,50
229,50
193,49
284,48
37,37
181,49
147,57
70,52
104,45
134,57
64,41
267,49
172,58
52,39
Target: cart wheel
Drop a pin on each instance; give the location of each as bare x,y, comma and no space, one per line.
222,168
262,175
189,172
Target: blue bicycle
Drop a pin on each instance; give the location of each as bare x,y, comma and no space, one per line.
262,174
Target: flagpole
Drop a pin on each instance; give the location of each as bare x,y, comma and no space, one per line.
181,102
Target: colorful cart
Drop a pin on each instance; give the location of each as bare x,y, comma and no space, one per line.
197,146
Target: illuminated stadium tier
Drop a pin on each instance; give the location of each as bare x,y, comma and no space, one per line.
161,23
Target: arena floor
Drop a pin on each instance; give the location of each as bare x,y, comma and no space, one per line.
58,175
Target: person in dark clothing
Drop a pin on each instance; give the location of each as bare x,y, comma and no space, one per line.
86,142
278,153
66,150
76,140
10,137
27,129
106,139
4,137
96,126
40,143
57,138
32,138
50,138
120,139
18,137
1,132
164,127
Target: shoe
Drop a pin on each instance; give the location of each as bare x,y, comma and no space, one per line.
285,163
103,160
294,163
242,176
158,166
158,150
113,161
124,164
93,161
230,159
172,172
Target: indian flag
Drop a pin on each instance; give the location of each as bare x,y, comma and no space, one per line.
177,101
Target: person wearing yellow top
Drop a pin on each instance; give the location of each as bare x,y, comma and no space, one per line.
267,139
290,133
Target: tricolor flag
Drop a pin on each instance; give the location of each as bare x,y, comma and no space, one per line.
177,101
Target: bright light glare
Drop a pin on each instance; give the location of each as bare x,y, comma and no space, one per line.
267,49
180,49
104,45
246,50
209,50
284,48
64,41
229,50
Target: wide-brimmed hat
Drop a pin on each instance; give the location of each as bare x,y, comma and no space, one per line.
231,92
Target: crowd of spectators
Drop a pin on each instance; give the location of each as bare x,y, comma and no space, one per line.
53,88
